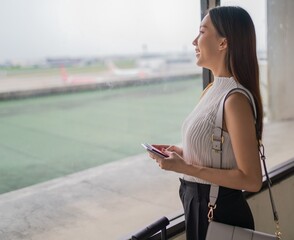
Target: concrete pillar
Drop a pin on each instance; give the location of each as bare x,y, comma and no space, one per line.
280,37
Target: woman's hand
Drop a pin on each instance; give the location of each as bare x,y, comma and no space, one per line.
170,148
174,162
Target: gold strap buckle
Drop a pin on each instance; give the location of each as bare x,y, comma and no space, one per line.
210,211
220,140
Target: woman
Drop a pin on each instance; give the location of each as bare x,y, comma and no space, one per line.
226,45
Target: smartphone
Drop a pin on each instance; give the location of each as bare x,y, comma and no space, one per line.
154,150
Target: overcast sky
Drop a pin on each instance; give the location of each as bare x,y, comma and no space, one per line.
35,29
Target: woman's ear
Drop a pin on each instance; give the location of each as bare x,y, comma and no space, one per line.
223,44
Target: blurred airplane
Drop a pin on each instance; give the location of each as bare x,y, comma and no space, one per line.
127,72
75,79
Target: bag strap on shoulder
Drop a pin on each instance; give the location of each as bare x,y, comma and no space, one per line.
217,142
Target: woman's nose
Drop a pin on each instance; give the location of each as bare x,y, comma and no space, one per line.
195,41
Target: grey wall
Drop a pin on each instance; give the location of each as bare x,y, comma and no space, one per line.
280,37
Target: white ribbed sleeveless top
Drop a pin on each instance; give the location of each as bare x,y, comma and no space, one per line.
197,129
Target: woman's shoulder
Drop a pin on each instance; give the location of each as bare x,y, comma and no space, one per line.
237,99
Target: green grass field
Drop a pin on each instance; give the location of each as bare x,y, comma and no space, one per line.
47,137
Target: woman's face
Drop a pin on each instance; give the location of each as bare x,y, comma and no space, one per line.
207,45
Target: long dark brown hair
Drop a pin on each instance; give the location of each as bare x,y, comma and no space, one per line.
236,25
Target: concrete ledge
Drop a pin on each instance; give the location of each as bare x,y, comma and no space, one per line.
100,203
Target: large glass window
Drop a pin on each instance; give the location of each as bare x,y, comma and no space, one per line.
130,69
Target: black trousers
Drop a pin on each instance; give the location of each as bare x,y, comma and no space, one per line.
232,208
